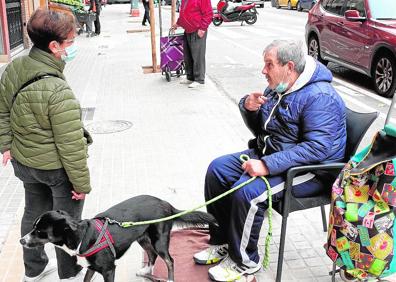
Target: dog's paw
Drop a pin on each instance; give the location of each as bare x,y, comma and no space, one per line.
145,270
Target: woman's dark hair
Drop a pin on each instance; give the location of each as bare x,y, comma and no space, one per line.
45,26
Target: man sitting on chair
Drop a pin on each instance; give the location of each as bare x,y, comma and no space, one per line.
300,119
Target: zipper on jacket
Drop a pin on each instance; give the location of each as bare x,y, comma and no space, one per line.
268,120
272,111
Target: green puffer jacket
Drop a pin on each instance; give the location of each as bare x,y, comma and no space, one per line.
43,128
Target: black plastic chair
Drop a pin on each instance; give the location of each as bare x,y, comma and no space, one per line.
357,125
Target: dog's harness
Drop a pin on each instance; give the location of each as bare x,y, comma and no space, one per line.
104,239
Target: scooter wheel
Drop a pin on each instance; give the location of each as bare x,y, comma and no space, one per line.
217,21
252,20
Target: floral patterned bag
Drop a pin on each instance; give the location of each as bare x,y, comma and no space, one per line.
363,209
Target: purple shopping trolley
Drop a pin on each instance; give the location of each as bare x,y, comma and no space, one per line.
172,60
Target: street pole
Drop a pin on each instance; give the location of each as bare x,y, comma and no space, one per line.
173,13
160,16
152,30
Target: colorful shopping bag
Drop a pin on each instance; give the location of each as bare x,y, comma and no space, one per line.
363,208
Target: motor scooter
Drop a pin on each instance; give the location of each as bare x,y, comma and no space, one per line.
226,13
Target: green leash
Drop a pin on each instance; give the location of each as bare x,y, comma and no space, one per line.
244,158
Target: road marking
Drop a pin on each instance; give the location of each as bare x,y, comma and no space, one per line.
255,53
292,31
259,31
232,61
374,96
227,32
363,106
347,90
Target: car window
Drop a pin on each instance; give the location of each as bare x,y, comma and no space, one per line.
383,10
323,3
357,5
334,6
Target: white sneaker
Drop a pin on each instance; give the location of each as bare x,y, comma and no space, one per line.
49,268
186,81
211,255
79,277
228,270
196,85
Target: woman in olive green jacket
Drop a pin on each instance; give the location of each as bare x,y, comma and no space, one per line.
41,132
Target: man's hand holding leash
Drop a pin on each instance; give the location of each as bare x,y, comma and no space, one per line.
255,168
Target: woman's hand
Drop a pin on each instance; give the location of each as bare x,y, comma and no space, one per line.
78,196
6,157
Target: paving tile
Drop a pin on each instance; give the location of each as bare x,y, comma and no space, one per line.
313,262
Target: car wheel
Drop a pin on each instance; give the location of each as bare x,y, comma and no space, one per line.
384,75
289,6
299,6
314,49
277,4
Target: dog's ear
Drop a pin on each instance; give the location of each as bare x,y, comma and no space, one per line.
67,221
62,212
70,224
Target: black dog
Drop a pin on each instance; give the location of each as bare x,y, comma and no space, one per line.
80,238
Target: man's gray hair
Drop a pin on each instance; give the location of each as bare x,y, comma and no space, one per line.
288,50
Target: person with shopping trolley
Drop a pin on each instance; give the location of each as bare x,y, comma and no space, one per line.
195,17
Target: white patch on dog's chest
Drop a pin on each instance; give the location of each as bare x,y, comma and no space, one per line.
80,260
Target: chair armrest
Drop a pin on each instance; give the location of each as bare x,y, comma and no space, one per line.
291,173
305,168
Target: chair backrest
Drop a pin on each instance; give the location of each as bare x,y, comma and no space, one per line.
357,125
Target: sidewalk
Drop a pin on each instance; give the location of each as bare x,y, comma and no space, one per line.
176,132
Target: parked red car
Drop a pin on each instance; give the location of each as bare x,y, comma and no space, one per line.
357,34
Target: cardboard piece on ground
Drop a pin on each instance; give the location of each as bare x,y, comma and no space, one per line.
184,244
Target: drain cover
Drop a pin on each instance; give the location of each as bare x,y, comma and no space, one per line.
108,126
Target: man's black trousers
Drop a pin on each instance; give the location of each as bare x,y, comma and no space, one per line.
194,56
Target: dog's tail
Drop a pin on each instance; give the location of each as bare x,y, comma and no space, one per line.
195,218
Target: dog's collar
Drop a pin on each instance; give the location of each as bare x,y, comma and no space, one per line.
104,240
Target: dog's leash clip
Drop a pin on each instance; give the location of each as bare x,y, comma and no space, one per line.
113,221
125,224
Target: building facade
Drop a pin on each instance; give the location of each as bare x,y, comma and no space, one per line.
14,17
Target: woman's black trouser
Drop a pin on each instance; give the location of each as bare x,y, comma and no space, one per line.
46,190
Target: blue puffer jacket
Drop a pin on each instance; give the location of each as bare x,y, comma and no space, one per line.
305,125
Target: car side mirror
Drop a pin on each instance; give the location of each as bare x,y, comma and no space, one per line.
354,16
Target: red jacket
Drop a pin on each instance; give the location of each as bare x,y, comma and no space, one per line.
195,14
